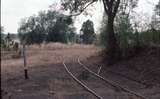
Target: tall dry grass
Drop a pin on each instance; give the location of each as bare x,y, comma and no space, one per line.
55,46
47,54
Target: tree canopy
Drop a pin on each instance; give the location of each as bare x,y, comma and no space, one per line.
157,8
50,26
111,8
88,35
31,31
155,24
2,29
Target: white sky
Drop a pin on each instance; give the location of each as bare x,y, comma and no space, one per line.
12,11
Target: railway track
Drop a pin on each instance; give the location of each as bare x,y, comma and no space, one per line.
109,82
112,82
141,83
82,84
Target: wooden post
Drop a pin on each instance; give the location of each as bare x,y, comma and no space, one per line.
99,70
25,63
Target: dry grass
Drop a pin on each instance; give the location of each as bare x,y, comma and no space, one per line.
55,46
47,72
42,60
52,53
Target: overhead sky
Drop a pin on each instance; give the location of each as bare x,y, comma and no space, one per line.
12,11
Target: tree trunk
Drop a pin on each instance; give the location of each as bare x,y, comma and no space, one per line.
113,49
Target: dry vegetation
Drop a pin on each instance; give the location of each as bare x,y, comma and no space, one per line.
45,70
52,53
48,78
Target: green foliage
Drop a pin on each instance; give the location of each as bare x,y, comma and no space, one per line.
124,33
3,43
31,31
103,33
111,7
77,38
150,37
155,24
49,26
2,29
157,9
129,38
103,37
59,32
72,37
88,35
2,36
76,6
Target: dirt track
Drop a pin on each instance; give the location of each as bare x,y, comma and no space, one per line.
48,78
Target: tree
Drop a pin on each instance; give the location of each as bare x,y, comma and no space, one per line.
155,24
31,31
157,9
111,9
88,35
71,35
2,29
2,35
124,32
152,34
2,44
60,30
113,50
50,26
57,33
103,32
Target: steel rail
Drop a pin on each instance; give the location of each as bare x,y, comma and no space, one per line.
82,84
114,84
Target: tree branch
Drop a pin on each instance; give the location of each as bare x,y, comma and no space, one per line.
111,5
105,4
83,8
111,2
116,8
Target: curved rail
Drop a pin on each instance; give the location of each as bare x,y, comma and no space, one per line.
129,78
79,82
114,84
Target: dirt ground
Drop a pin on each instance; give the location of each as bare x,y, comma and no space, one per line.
49,80
47,76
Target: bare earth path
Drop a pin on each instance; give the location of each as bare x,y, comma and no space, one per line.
48,78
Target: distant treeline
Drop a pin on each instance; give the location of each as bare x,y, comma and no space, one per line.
48,26
52,26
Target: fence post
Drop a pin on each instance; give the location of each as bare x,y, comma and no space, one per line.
99,70
25,63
